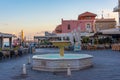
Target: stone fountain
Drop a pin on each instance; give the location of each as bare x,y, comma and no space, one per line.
61,45
60,62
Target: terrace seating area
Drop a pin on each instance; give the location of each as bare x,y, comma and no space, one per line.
116,47
10,53
46,46
95,47
91,47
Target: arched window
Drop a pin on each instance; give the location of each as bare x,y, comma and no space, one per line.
88,27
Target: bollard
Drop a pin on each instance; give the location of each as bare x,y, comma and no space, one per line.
68,70
29,60
24,69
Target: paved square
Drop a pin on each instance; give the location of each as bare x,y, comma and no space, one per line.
106,67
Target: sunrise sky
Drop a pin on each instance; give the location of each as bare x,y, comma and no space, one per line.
37,16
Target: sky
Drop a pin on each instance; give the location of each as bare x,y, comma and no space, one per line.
36,16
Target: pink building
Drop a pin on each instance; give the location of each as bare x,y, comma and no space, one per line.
85,22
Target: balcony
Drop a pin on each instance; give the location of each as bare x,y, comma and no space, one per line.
116,9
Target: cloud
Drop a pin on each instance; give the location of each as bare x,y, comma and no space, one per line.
4,24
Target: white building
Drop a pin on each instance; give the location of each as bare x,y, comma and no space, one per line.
117,9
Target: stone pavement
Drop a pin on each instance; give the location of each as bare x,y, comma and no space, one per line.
106,67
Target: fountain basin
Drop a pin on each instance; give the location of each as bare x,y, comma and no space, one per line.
54,62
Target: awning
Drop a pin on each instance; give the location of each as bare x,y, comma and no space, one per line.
111,31
6,35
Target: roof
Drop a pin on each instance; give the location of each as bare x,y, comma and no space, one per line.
105,20
87,14
58,29
6,35
72,34
111,31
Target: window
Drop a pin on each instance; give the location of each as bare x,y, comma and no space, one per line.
88,17
88,25
68,26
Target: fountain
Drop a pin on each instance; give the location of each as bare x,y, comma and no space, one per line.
60,62
61,45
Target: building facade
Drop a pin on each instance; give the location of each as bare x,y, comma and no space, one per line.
117,9
103,24
85,22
